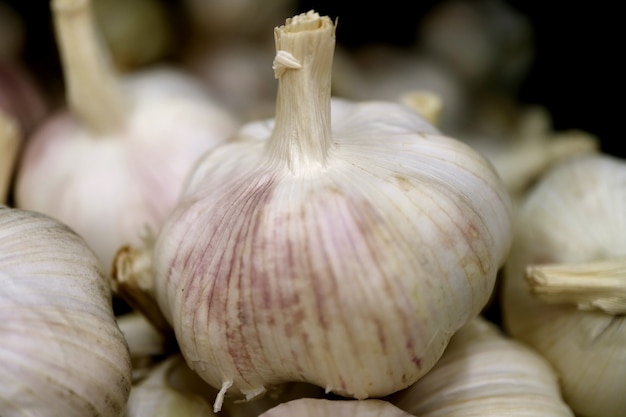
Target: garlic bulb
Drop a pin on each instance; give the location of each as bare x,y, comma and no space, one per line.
167,392
147,346
563,289
171,388
311,407
10,141
138,32
340,244
386,72
523,155
485,373
62,351
114,165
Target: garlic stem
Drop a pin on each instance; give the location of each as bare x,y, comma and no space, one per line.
9,145
590,286
93,92
303,67
132,281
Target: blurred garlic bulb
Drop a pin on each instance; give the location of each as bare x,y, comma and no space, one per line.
10,142
138,32
235,71
62,351
385,72
522,156
235,19
564,288
340,244
482,374
113,166
311,407
487,43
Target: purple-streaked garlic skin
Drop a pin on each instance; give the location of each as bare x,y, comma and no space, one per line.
114,187
352,276
62,351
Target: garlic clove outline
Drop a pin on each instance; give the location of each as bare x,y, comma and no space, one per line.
484,373
312,407
62,351
112,167
569,227
344,256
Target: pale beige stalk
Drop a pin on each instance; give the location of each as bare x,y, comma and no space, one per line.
570,247
92,86
339,244
62,352
112,165
484,373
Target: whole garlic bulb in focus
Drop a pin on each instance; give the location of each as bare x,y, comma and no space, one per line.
114,165
563,284
484,373
62,351
340,244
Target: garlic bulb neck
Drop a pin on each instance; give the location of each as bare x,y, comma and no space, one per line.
93,92
590,286
303,67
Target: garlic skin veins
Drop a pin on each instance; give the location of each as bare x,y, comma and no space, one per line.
344,256
113,164
570,227
484,373
62,351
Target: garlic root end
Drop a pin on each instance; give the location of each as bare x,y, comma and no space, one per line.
132,281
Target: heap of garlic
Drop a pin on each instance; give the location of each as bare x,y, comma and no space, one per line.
62,352
484,373
113,166
340,244
564,290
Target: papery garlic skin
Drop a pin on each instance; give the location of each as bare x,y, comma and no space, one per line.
312,407
160,395
112,167
575,214
484,373
114,187
62,351
341,257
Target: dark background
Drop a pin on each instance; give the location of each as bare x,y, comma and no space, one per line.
576,74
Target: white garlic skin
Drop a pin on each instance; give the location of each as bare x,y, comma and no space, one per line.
112,187
484,373
62,351
315,407
575,214
351,276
